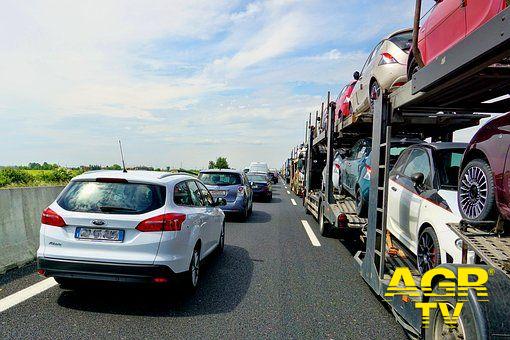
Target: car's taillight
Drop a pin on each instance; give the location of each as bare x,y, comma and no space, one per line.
369,172
165,222
240,191
387,59
50,217
337,166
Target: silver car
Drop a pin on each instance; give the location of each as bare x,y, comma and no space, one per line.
385,69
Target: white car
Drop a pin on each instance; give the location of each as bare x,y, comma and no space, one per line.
385,70
422,199
258,167
137,226
335,178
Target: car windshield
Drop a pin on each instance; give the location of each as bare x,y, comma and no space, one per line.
220,178
257,178
112,198
448,165
403,40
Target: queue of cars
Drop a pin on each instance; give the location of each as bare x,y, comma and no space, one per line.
142,226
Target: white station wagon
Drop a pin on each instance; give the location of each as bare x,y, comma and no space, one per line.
135,226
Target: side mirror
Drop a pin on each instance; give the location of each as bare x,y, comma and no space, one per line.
356,75
220,202
418,179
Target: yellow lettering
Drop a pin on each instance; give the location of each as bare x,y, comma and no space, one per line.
450,319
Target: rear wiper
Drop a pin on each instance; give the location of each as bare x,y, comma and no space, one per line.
110,209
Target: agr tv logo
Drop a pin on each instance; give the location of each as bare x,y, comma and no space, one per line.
450,285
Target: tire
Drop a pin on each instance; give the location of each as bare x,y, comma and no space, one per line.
192,276
221,242
412,69
324,225
245,214
476,196
428,254
361,204
68,283
466,327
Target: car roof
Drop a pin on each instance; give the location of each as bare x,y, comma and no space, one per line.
398,32
134,176
231,171
444,145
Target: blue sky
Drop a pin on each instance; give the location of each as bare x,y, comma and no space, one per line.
180,82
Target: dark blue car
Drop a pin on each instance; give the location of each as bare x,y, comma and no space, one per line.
232,185
261,186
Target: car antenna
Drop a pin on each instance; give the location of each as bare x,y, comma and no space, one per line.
122,157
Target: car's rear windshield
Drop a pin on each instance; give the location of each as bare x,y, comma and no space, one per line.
220,178
112,198
259,168
403,40
448,167
257,178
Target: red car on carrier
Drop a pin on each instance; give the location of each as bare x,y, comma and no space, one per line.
343,100
449,22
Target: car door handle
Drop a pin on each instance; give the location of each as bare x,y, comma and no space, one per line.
393,188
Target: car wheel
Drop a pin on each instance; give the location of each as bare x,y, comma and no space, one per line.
68,283
476,191
428,254
221,243
324,225
361,205
193,274
375,92
412,69
439,329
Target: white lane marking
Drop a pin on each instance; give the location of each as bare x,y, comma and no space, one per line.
27,293
288,192
311,235
293,201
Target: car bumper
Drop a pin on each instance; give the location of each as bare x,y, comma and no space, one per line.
239,205
102,271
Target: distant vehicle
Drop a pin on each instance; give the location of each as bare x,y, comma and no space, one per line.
139,226
484,189
355,169
422,200
343,101
449,22
246,170
261,186
259,167
274,175
232,185
385,69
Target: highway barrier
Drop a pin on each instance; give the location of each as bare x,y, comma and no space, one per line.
20,220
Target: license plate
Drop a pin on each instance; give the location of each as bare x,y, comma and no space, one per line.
218,193
255,186
113,235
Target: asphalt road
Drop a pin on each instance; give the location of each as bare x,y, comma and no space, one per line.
270,282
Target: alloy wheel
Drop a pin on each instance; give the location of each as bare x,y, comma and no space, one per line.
427,253
195,267
473,192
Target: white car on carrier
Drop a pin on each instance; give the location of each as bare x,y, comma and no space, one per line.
422,200
135,226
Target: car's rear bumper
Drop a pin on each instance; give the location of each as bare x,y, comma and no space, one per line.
103,271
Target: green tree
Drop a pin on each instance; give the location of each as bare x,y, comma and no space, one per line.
221,163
